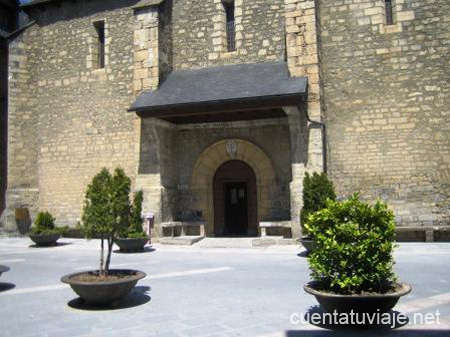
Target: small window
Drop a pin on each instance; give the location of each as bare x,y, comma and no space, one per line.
230,25
389,13
100,29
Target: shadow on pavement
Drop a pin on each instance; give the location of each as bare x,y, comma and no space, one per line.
58,244
303,254
146,250
6,286
138,296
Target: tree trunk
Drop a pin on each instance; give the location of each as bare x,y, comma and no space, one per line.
102,253
110,247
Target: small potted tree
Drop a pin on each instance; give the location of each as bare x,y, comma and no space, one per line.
44,232
106,213
134,238
317,188
352,263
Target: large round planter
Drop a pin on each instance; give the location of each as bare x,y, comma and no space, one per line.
3,269
45,239
367,303
104,292
308,243
131,245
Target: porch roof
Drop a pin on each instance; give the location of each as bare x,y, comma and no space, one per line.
221,89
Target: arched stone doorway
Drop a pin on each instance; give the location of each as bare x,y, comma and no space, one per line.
235,200
215,156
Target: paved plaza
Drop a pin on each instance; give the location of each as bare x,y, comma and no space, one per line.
200,291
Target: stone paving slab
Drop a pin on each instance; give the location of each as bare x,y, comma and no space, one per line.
199,291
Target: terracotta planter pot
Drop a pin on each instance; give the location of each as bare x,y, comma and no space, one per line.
104,292
131,245
3,269
308,243
45,239
370,303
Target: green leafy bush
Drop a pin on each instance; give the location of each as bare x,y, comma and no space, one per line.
107,210
354,246
44,224
45,220
135,231
317,188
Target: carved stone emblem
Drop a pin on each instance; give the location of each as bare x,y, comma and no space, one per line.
231,147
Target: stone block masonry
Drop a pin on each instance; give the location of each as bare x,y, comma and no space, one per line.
303,56
382,90
167,171
199,31
386,98
68,119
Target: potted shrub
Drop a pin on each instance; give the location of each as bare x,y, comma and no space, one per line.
352,263
134,238
106,213
44,232
317,188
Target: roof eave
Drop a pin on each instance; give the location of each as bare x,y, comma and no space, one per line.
220,106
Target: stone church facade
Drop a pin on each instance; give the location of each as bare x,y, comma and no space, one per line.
217,108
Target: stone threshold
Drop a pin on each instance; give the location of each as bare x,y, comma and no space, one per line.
205,242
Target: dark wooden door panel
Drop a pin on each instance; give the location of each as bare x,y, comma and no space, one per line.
236,209
235,200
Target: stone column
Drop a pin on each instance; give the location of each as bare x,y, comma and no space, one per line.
157,174
146,48
152,44
302,48
23,141
299,159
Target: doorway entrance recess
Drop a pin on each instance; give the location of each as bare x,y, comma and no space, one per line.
235,200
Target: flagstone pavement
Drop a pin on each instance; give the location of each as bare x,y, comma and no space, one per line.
203,291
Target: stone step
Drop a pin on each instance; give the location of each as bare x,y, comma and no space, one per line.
244,242
181,240
226,243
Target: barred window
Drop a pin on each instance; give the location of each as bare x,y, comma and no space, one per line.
389,13
230,26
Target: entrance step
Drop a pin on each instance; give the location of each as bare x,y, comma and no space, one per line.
273,241
181,240
243,242
226,243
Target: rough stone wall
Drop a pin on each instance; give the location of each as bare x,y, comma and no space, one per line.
303,59
386,98
153,50
198,23
157,174
8,23
382,89
146,49
22,132
68,119
165,40
3,116
168,155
